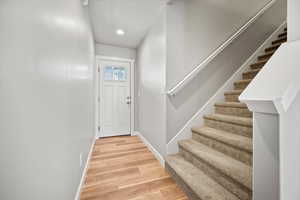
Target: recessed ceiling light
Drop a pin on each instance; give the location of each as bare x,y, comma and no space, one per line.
85,2
120,32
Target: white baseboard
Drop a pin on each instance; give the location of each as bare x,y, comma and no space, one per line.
77,197
134,133
157,155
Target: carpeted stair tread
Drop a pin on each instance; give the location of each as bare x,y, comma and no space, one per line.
280,40
266,55
201,184
243,81
231,104
237,141
272,48
282,35
228,166
233,95
242,84
252,71
243,121
235,92
232,108
259,64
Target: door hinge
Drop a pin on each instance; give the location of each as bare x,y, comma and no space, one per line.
98,99
98,69
99,128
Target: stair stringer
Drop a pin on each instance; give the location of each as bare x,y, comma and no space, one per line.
197,119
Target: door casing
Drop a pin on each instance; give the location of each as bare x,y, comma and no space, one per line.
97,94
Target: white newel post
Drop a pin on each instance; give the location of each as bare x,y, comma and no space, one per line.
266,156
289,151
274,98
266,175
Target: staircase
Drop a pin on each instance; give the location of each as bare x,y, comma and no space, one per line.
216,163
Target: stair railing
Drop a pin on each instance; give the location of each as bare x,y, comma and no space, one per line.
189,77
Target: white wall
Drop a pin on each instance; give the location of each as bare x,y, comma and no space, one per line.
115,51
151,65
46,92
194,30
293,20
289,125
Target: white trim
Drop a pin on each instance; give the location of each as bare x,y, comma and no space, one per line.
132,91
132,87
96,92
208,108
114,58
174,90
96,85
157,155
77,197
135,133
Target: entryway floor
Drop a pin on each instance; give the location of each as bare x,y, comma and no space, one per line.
122,168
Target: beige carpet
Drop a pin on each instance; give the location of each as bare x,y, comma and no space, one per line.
216,163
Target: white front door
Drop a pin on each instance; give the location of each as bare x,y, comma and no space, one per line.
115,98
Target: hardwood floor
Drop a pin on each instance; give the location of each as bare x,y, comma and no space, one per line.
122,168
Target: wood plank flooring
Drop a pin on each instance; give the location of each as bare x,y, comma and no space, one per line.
122,168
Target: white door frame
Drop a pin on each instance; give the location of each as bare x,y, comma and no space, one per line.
97,95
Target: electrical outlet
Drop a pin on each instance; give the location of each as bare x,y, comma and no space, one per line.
80,159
